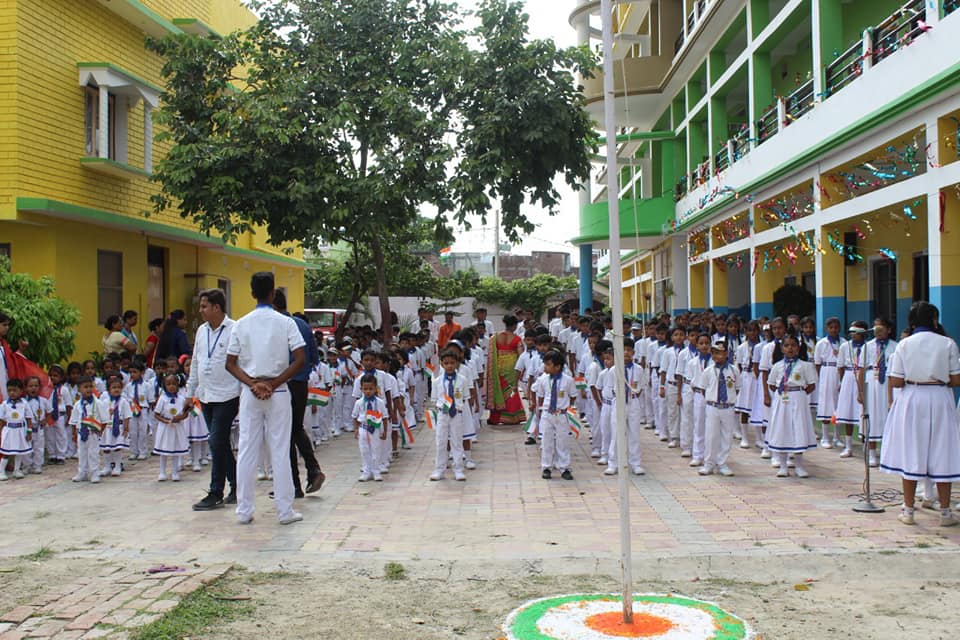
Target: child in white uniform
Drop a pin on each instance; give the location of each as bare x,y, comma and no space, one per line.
670,389
659,406
17,424
684,361
695,438
87,421
922,435
451,392
556,390
39,415
633,387
720,382
744,364
371,422
826,357
113,442
140,394
602,436
790,430
171,439
877,358
849,408
59,402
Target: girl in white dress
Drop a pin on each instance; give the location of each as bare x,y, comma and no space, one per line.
757,411
878,355
790,383
748,381
114,441
808,348
771,353
198,434
849,407
825,357
171,438
922,432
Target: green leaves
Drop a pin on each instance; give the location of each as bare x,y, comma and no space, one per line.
40,317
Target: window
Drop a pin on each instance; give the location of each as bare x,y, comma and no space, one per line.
92,123
921,277
5,250
109,284
224,285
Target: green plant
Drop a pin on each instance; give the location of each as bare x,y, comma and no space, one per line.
193,615
41,554
40,317
394,571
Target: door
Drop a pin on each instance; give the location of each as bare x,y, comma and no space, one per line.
156,282
885,290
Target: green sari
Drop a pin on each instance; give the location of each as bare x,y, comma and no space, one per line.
503,397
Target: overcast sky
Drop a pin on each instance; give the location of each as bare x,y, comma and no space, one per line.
548,20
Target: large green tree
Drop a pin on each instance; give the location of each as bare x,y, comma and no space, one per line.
350,116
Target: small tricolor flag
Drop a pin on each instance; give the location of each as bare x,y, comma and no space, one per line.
196,409
135,409
93,424
406,435
337,377
374,420
447,403
431,417
432,369
581,382
529,426
445,252
318,397
575,424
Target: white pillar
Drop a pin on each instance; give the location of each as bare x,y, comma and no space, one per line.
103,122
934,239
818,82
147,138
867,49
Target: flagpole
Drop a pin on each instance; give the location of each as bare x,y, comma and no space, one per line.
616,302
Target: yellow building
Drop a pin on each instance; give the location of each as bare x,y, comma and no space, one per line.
76,152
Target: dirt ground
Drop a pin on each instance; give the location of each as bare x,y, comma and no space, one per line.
888,595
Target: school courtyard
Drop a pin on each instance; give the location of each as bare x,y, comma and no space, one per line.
787,555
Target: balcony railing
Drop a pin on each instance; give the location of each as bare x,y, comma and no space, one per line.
767,125
898,30
949,6
799,102
845,69
680,189
679,43
691,20
701,173
741,143
721,160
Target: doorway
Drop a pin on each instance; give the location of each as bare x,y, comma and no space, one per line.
156,282
884,279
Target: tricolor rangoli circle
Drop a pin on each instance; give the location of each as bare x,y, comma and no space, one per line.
598,616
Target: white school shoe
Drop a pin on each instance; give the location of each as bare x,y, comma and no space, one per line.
365,477
469,464
377,477
436,475
783,473
18,475
602,460
673,444
460,476
949,520
663,438
726,471
595,453
639,471
766,454
296,516
776,463
348,429
162,477
204,461
142,456
846,453
685,453
95,479
801,471
36,470
696,462
737,435
744,443
4,477
706,470
175,476
76,478
261,475
826,444
336,433
196,468
610,471
873,460
116,472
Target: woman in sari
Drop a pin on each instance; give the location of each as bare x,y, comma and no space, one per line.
503,398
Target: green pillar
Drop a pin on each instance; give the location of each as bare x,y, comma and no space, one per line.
718,123
762,83
759,16
698,144
663,168
828,36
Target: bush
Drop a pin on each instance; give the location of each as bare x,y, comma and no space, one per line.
793,299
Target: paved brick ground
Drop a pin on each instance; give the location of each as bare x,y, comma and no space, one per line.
505,511
104,605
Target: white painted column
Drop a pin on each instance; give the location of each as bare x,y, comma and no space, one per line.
934,239
867,47
818,64
103,133
147,138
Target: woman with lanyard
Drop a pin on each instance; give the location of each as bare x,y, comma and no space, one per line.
922,432
130,318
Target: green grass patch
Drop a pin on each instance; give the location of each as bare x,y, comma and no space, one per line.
269,577
204,608
41,554
394,571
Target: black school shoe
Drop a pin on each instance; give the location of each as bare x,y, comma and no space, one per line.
546,475
209,503
566,475
530,440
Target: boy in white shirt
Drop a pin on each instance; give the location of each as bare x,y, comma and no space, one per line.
140,394
556,389
452,390
370,427
633,387
720,382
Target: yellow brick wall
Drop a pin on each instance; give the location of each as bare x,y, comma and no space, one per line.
8,103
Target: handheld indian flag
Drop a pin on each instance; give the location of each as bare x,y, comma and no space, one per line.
93,424
581,383
318,397
447,403
406,435
196,409
529,426
374,420
135,409
337,377
575,424
429,368
431,417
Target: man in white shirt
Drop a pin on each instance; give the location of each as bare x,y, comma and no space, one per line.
218,393
266,349
481,315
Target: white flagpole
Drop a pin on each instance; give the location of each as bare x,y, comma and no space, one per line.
616,302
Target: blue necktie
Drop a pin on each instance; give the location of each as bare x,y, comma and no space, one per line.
116,417
453,400
553,393
366,424
56,402
882,365
84,430
722,385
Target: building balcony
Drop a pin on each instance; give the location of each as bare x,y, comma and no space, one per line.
641,221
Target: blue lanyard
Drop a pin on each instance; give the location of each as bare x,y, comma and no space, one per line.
211,348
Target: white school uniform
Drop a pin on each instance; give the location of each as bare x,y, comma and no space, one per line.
695,438
171,439
554,424
877,359
747,381
921,438
368,438
659,404
633,388
684,358
766,365
849,409
590,376
56,437
18,420
88,441
602,438
669,364
72,396
115,411
143,394
312,417
791,426
757,410
449,429
720,420
808,345
39,410
826,357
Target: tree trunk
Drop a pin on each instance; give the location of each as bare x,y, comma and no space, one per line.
355,295
379,262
